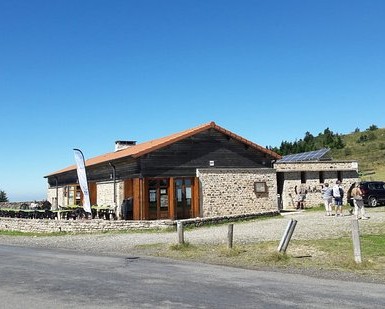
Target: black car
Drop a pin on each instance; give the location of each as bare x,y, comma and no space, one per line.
373,193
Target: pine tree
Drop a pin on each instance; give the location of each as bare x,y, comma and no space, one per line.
3,196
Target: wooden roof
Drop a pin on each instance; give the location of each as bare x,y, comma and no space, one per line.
150,146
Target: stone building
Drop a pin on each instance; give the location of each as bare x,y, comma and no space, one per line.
205,171
312,170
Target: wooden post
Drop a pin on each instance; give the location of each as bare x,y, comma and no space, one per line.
230,236
179,228
356,241
287,235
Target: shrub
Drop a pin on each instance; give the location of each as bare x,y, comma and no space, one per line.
348,151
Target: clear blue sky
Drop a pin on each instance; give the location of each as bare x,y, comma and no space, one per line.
82,74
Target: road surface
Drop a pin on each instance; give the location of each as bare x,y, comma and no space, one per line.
53,278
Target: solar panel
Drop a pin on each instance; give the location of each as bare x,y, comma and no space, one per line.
316,155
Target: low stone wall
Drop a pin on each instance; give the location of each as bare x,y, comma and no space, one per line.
99,225
78,226
21,205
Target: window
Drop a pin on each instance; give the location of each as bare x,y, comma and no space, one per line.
260,187
158,194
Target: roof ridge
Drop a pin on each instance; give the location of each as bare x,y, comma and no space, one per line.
141,149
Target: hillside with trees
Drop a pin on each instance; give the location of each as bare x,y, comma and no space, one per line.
367,147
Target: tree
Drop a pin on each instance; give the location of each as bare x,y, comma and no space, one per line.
373,127
3,196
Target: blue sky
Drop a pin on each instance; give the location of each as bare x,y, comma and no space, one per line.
82,74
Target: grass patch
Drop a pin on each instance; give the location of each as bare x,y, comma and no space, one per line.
229,221
33,234
316,208
182,247
311,255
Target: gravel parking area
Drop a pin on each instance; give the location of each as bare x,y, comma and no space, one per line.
310,225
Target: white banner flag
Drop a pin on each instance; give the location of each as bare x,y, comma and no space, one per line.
81,169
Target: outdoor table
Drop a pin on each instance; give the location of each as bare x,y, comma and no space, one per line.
103,212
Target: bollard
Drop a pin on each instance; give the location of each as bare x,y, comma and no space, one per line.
179,228
287,235
356,241
230,236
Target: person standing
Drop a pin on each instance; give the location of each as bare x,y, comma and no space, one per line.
338,194
301,197
327,196
359,209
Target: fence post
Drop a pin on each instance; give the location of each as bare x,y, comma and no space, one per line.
230,236
356,241
179,228
287,235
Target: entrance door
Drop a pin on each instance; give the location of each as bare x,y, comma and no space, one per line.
158,198
183,197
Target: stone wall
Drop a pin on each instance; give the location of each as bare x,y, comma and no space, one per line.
78,226
317,166
331,171
23,205
104,194
51,197
98,225
231,191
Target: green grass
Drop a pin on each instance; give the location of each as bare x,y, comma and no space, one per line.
322,254
369,153
18,233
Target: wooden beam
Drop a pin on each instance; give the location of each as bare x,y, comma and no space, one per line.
171,199
196,199
136,195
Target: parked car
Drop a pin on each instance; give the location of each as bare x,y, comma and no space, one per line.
373,193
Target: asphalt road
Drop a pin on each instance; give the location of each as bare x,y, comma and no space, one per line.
52,278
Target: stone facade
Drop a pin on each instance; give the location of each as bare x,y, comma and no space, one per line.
313,176
51,197
231,191
104,191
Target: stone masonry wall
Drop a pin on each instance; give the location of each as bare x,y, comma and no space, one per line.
104,194
231,191
292,179
316,166
51,196
78,226
98,225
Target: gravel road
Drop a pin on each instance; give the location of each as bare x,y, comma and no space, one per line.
310,225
